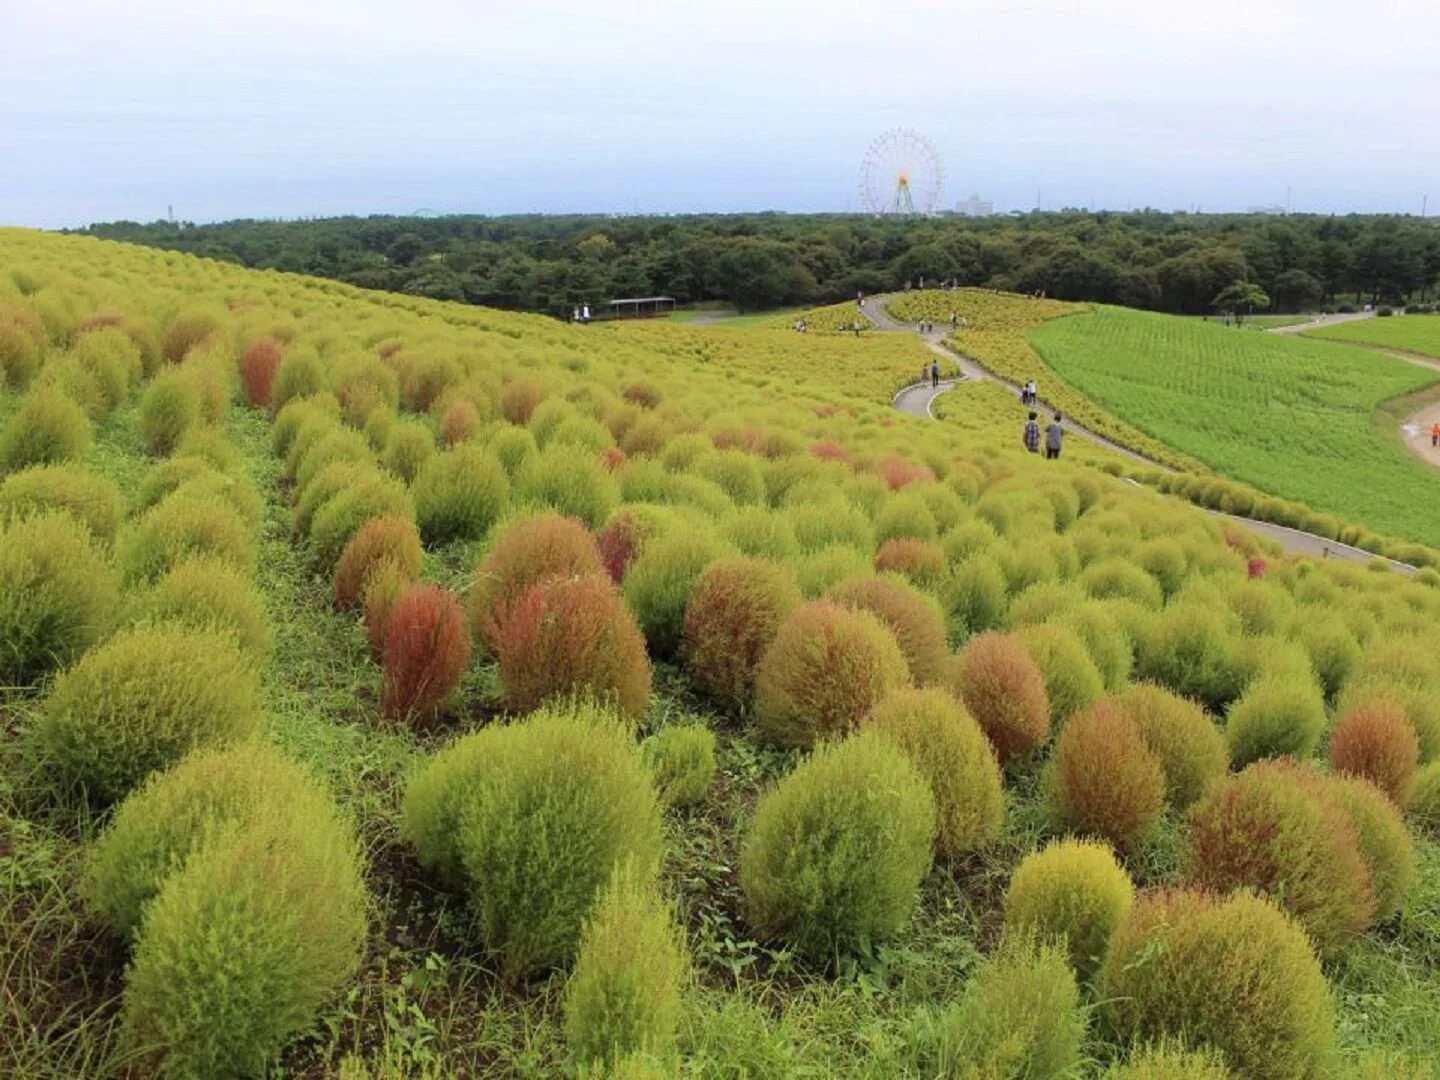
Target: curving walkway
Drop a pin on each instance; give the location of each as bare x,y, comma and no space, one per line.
917,398
1321,320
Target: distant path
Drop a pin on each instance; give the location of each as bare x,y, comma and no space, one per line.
916,400
1321,320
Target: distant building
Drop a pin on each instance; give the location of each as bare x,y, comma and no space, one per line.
975,206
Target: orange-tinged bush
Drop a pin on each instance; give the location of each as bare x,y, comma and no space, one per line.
1189,747
898,473
643,394
184,333
914,618
621,539
393,537
518,399
1377,742
1230,972
459,423
528,552
257,370
921,561
730,620
1274,828
570,636
829,450
385,583
1106,780
613,458
427,649
827,667
1003,689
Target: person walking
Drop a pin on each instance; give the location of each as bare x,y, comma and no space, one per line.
1032,434
1054,434
1435,433
934,373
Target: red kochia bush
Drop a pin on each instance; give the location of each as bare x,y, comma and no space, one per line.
528,552
1106,781
620,541
1002,687
612,457
570,636
460,422
392,537
257,370
898,473
1257,568
427,649
829,450
518,399
921,561
1377,742
731,619
913,617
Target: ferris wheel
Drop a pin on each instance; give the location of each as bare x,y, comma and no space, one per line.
901,174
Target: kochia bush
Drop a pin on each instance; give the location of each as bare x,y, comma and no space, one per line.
837,850
1105,779
530,821
209,594
1384,842
999,683
143,699
1377,742
659,583
1277,716
169,408
527,552
1187,744
947,747
731,618
389,537
240,888
827,667
1072,680
1232,972
922,562
913,617
180,528
258,365
57,594
624,996
459,494
568,636
682,760
1276,829
1072,891
427,649
47,429
92,500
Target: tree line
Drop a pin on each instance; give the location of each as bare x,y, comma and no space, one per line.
1173,262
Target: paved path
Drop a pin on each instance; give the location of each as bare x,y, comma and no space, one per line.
1321,320
917,399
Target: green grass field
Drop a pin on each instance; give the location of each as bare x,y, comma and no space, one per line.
1293,417
1410,333
1262,322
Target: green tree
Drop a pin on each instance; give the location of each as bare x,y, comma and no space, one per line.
1239,299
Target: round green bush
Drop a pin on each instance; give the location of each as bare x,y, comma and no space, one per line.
624,996
141,700
1385,842
834,522
57,594
682,761
1169,1060
837,850
559,479
169,408
1021,1016
1104,640
820,570
410,444
1233,973
299,375
737,474
974,597
339,444
1189,747
1189,649
180,528
761,533
47,429
1072,891
1423,805
1332,648
92,500
905,514
1120,578
530,820
1072,681
827,667
950,751
459,493
372,494
208,593
1275,717
659,583
1278,828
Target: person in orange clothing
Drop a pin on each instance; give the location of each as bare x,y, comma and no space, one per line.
1435,433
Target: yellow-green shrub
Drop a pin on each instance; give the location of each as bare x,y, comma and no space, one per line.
837,850
92,500
659,583
57,594
559,479
682,761
1189,747
529,820
1072,891
208,593
1169,1060
143,699
949,750
1072,681
1275,717
180,528
459,493
1384,842
48,428
169,408
623,997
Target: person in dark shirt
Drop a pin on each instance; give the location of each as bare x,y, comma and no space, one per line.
1054,434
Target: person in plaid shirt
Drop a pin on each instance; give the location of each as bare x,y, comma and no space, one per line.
1032,435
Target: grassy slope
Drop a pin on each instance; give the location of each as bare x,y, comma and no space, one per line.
1291,417
1410,333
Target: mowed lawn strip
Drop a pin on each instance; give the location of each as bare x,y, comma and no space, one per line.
1409,333
1293,417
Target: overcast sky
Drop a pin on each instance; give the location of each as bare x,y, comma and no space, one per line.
283,108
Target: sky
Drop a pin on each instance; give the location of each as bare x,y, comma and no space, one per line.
299,108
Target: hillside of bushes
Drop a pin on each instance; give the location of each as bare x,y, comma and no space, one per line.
394,688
